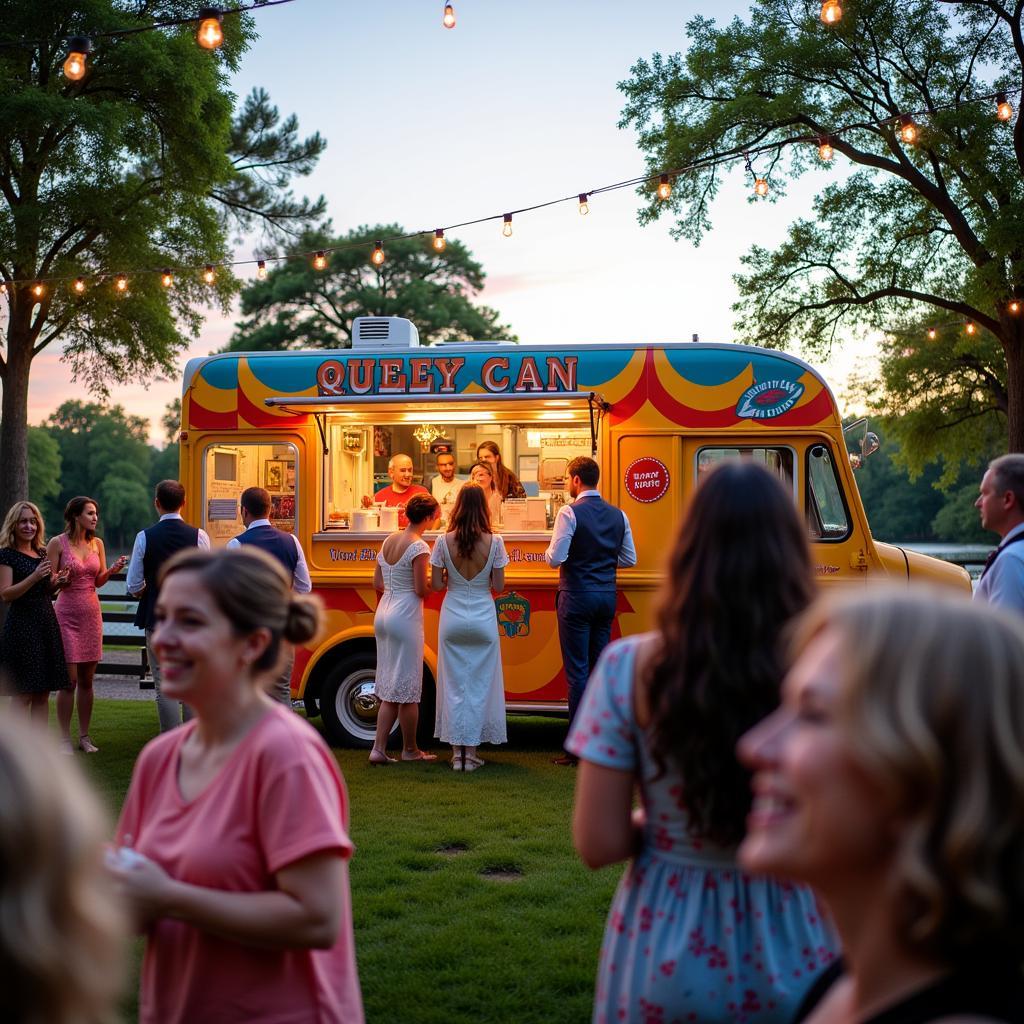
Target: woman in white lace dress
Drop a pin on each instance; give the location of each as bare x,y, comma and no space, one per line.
470,562
401,580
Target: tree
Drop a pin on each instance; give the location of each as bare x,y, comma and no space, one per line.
137,165
44,464
299,307
937,225
166,460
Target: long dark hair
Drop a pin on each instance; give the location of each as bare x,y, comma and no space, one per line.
740,571
499,473
73,509
470,518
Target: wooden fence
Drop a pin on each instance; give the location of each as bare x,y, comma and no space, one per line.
130,638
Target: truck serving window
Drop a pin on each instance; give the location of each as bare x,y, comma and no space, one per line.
228,469
827,518
358,453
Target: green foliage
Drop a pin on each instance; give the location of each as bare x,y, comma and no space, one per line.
299,307
958,519
44,464
937,224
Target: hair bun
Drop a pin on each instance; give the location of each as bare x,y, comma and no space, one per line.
303,619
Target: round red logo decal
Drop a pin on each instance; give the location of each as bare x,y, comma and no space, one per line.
647,479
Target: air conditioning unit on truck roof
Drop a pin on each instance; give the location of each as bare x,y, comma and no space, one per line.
384,332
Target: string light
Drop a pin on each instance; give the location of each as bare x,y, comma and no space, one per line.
932,333
439,242
210,35
449,16
79,285
908,130
971,327
261,269
664,187
1014,306
761,186
209,274
78,50
1004,109
506,229
167,278
38,289
831,12
320,261
377,256
584,204
121,283
825,150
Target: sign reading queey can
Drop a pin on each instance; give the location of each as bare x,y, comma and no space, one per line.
647,479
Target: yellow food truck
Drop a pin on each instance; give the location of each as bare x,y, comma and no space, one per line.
317,429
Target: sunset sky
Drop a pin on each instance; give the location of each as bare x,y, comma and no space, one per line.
517,105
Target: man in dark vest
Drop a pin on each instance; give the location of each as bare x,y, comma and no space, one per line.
589,541
286,549
152,548
1001,503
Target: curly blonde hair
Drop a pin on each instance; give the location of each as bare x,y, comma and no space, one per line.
933,707
9,530
63,927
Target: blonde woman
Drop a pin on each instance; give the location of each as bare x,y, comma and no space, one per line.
238,820
31,651
62,930
80,553
891,780
482,474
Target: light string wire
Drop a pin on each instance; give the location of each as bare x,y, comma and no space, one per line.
747,154
117,33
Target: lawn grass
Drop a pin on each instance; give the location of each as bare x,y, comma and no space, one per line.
468,900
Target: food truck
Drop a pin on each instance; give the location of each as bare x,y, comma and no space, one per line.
318,428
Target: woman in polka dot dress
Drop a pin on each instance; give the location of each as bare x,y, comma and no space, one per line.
690,937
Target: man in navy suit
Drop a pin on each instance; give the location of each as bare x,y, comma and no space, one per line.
285,547
590,540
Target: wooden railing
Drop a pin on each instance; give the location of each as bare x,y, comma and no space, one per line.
132,638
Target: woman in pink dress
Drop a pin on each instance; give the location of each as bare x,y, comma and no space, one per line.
79,551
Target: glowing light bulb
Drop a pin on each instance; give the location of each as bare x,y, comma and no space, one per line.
377,256
932,333
320,261
167,278
121,283
209,274
506,229
79,285
584,204
449,16
38,289
971,328
1014,306
1004,109
761,186
908,130
664,188
210,35
78,49
825,150
439,242
831,12
261,269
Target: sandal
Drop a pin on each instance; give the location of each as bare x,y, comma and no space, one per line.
458,760
420,755
66,747
86,745
472,762
379,757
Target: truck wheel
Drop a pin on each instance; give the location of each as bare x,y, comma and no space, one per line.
348,704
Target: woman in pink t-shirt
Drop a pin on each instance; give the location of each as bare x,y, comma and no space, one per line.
233,838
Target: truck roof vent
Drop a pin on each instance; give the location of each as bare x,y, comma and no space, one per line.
384,332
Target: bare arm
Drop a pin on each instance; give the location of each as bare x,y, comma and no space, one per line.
304,912
498,580
422,581
603,827
437,579
378,578
105,573
11,591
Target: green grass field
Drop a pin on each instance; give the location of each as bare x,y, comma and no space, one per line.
469,902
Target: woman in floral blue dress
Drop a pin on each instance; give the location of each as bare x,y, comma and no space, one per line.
690,937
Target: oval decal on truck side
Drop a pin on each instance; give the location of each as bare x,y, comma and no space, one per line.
769,399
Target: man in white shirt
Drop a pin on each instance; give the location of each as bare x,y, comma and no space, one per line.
1001,503
284,547
589,541
152,548
446,485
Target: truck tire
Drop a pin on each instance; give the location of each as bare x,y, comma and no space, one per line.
348,705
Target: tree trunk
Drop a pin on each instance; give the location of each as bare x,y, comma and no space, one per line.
1013,347
14,416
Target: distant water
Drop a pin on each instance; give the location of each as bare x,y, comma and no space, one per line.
970,556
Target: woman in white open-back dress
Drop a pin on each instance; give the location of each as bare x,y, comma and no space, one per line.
470,561
401,580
